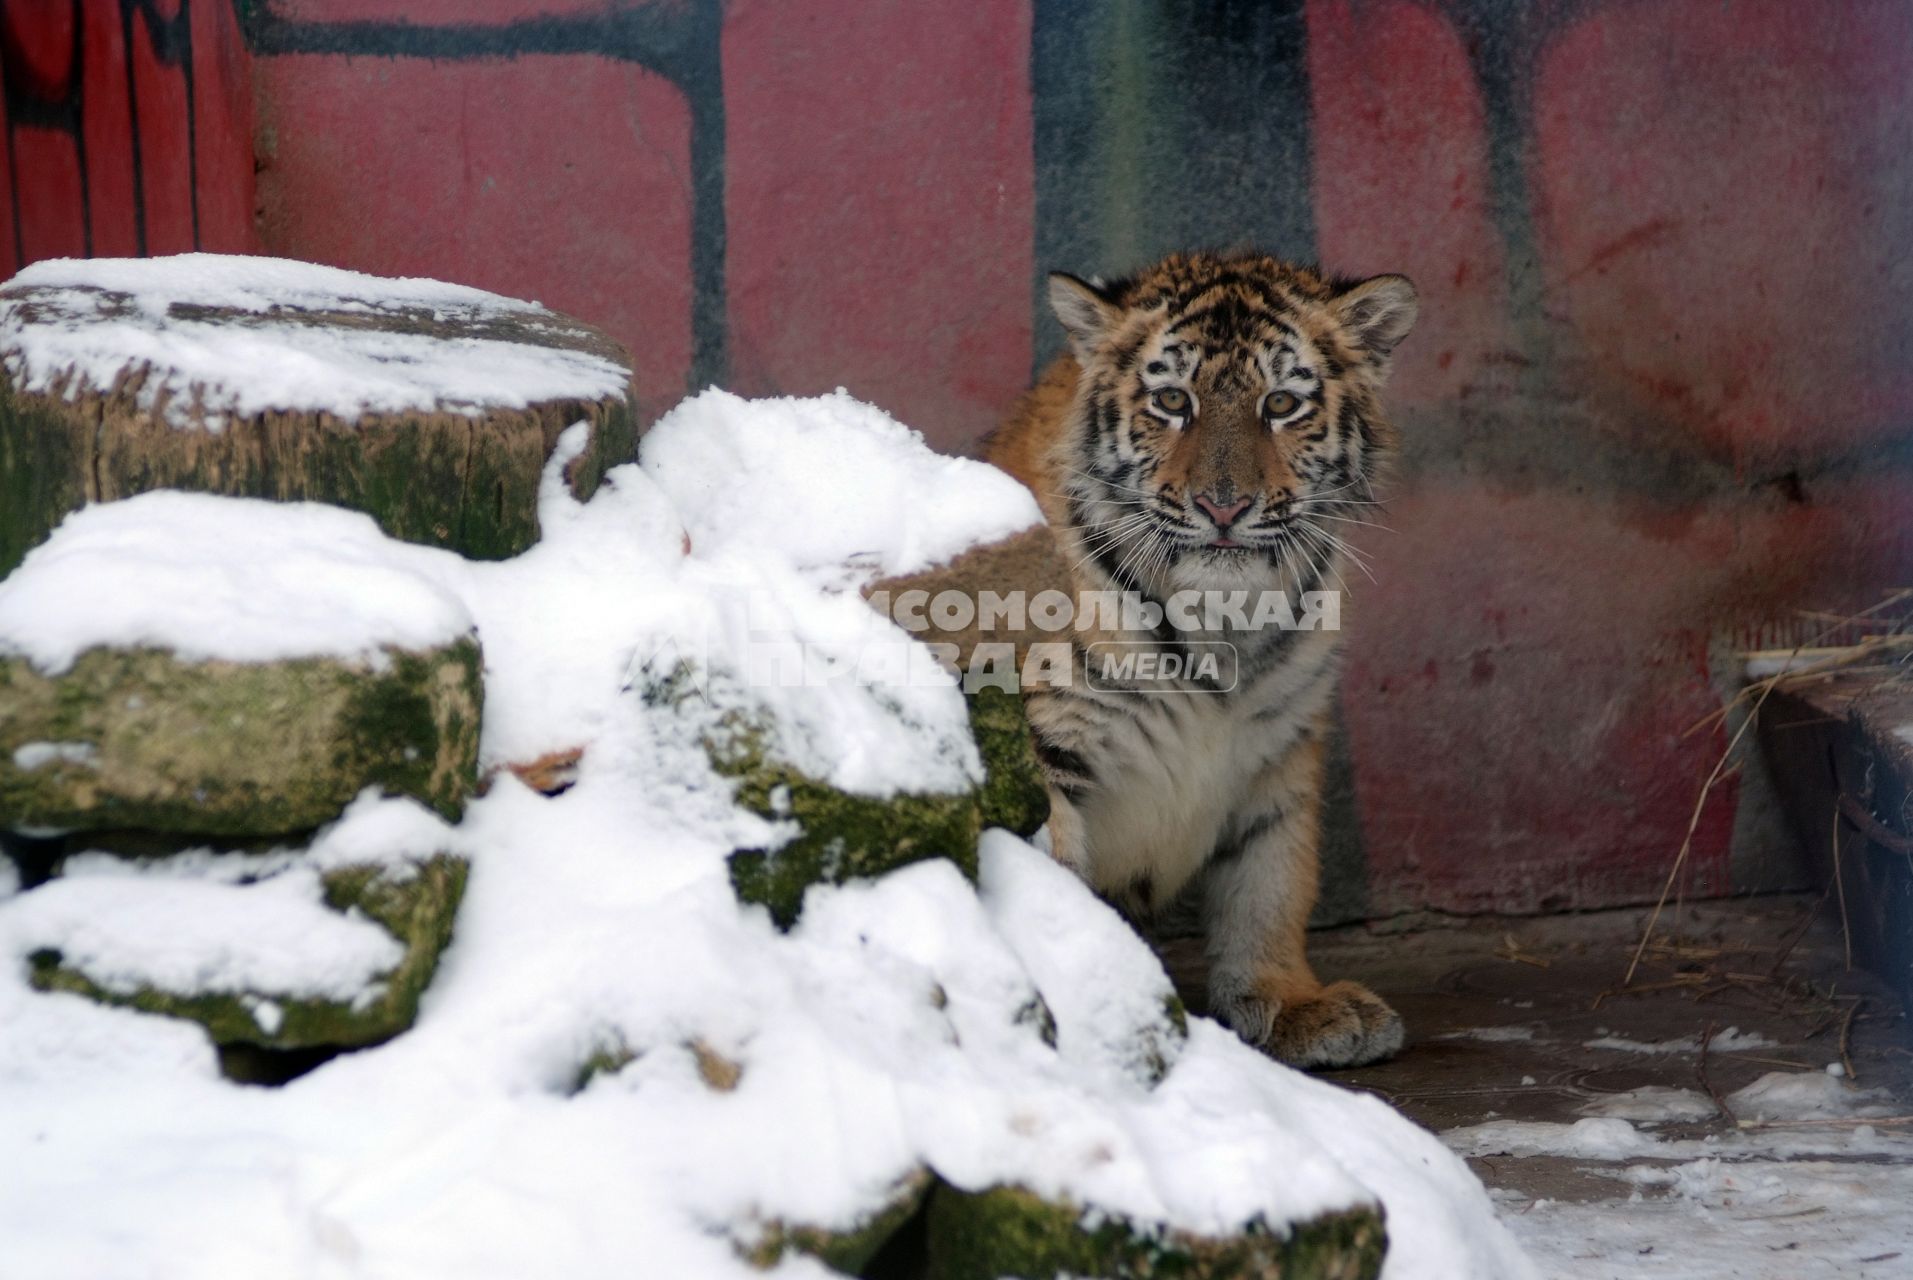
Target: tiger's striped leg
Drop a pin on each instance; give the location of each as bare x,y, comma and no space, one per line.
1259,888
1054,733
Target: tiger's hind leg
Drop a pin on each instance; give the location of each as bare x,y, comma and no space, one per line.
1258,891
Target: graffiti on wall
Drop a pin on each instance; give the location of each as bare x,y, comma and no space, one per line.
126,128
1660,395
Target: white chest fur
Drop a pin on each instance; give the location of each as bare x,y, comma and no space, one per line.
1176,768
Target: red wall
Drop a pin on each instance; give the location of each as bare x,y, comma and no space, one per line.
1659,398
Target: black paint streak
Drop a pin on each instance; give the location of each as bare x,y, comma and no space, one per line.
1505,43
1167,126
33,104
172,40
679,42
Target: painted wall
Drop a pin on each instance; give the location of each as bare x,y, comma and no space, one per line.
1660,396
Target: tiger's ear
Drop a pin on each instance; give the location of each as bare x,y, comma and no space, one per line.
1087,313
1379,312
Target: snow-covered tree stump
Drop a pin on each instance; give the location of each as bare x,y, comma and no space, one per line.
431,407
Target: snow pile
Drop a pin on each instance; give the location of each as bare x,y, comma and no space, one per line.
203,923
824,483
72,326
276,581
898,1026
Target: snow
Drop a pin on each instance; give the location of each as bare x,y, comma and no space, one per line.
1709,1218
124,931
1732,1040
777,477
893,1028
1805,1095
1653,1104
215,578
74,325
1769,1202
1597,1138
29,756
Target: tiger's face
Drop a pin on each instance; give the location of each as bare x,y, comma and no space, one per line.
1228,422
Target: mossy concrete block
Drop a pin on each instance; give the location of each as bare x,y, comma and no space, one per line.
1014,794
138,739
845,1250
430,467
840,836
1009,1231
416,903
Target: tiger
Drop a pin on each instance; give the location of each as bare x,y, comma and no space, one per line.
1213,425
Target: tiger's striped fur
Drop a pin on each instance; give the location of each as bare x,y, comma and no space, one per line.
1216,425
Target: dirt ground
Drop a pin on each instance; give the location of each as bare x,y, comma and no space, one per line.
1614,1145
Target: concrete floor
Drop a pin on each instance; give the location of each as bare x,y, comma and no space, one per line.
1525,1020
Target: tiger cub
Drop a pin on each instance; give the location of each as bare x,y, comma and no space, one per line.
1213,429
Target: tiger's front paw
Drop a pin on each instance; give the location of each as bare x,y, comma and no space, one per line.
1341,1025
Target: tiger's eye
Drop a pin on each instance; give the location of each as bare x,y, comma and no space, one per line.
1173,401
1280,404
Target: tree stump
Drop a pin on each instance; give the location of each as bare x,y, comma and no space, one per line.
431,407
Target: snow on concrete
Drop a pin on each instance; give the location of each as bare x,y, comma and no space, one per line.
1759,1220
1653,1104
1732,1040
74,325
1805,1095
890,1029
1804,1187
220,578
1595,1138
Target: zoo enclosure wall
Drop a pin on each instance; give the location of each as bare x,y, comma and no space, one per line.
1659,397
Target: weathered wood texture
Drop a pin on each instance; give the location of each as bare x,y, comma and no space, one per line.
464,481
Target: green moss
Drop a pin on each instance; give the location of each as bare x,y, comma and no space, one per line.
235,749
43,465
1008,1231
1160,1044
410,476
614,441
848,1251
418,910
1014,794
606,1060
840,836
414,731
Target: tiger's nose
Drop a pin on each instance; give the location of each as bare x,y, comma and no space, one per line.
1223,516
